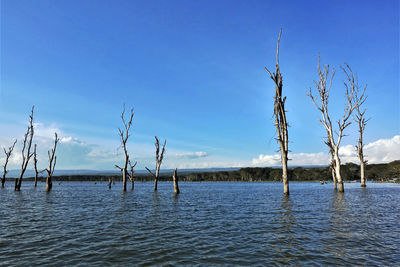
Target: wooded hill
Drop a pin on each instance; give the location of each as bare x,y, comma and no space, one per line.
350,172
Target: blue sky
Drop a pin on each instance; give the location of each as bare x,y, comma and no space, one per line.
194,73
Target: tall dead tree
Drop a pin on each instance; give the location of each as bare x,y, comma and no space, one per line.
360,119
175,181
124,135
280,119
52,164
26,151
324,86
8,153
159,159
35,160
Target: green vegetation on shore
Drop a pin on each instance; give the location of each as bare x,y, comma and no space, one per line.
350,172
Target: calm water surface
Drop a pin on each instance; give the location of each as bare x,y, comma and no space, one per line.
82,223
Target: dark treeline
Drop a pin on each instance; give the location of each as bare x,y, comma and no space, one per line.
350,172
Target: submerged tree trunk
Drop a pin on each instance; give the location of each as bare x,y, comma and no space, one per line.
8,155
362,172
52,164
337,171
362,122
334,178
124,134
35,160
124,174
175,181
26,152
280,119
285,177
332,167
323,86
49,184
159,159
131,178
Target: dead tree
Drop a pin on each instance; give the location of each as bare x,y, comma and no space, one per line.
332,164
52,164
280,119
26,151
323,87
124,134
360,119
175,180
109,182
35,160
131,174
8,153
159,159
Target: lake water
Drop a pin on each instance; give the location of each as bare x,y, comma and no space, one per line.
227,223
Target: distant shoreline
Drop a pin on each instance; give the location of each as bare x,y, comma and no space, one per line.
387,172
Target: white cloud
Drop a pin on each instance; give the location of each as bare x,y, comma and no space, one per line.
380,151
383,150
192,155
74,152
298,159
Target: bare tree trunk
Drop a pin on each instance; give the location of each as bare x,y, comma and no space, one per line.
362,170
26,156
156,178
323,88
334,177
362,122
332,166
124,139
8,155
35,160
337,171
131,177
280,119
52,164
159,159
175,181
285,177
49,184
124,174
109,183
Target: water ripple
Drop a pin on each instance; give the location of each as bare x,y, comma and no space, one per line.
241,224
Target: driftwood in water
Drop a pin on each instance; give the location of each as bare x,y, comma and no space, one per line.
281,123
159,159
175,181
8,153
52,164
26,151
124,135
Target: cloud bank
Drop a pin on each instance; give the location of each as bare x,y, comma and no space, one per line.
380,151
192,155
